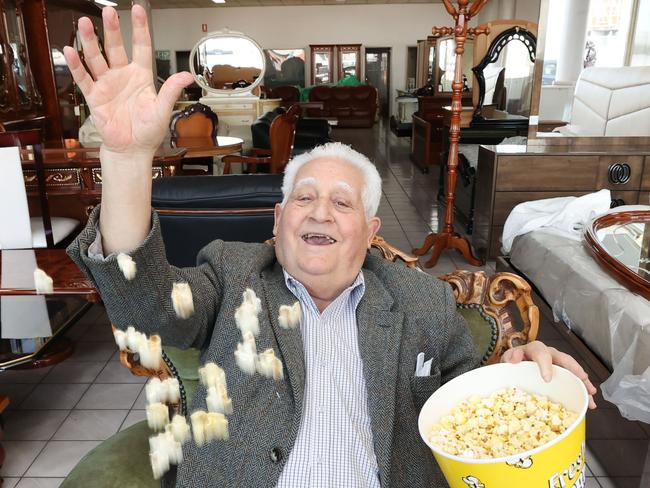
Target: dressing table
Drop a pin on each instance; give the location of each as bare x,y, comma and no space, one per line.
229,66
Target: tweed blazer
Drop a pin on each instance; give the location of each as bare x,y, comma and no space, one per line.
402,313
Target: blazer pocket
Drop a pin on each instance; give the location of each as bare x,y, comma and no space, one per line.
422,387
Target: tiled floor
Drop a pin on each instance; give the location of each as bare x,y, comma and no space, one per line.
58,414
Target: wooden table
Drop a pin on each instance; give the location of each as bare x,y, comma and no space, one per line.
69,282
201,147
74,177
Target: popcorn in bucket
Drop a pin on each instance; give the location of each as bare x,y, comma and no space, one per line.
502,425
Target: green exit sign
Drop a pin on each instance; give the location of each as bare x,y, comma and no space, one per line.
163,55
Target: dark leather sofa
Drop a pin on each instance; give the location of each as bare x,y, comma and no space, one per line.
352,106
288,94
309,132
195,210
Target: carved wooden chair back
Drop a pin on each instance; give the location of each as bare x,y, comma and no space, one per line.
282,134
197,120
503,302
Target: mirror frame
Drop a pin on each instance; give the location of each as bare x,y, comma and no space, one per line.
219,91
516,33
621,272
533,124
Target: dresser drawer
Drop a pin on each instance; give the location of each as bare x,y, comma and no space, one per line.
240,119
569,173
645,179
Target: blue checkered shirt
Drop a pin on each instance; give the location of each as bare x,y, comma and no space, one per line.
334,447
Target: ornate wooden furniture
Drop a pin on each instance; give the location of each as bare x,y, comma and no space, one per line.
72,295
282,134
447,238
199,124
483,299
508,175
620,241
434,54
349,60
74,177
322,64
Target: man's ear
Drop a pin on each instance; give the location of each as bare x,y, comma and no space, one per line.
373,227
277,212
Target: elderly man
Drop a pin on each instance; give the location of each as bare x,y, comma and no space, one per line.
345,413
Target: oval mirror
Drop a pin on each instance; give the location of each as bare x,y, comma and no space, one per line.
227,63
621,243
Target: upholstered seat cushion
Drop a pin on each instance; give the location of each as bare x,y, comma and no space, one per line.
62,227
483,328
121,461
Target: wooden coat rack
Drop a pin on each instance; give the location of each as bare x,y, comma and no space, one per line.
448,239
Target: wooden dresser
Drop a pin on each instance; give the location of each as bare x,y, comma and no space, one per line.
509,175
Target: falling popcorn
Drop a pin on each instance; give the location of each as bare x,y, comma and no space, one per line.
157,416
179,429
246,354
251,298
164,450
173,389
246,319
209,426
289,316
270,366
162,391
218,400
212,375
127,265
150,351
43,282
133,338
182,300
120,339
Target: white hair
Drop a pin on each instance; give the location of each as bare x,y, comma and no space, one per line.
371,193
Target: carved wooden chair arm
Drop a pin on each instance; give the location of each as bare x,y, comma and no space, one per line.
391,253
131,361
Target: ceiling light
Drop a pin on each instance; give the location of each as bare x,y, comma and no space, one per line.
107,3
219,1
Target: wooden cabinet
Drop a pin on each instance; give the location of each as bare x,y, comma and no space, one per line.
19,98
322,64
349,60
36,88
507,177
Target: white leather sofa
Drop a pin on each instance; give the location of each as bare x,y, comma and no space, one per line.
611,102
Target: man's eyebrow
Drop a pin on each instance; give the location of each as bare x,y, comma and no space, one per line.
310,180
342,185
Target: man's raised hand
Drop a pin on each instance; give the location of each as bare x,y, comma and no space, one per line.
126,110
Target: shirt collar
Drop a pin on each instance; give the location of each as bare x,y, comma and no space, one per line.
355,291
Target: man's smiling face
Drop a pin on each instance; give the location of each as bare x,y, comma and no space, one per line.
322,231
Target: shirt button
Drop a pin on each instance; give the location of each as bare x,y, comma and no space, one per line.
276,455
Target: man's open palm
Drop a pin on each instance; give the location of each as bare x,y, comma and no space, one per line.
126,110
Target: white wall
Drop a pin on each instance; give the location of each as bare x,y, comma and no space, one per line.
395,26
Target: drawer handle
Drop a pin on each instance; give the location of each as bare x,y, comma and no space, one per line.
619,173
617,202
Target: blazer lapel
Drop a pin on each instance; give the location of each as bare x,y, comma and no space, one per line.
276,293
380,332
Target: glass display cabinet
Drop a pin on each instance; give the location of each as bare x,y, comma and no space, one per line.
322,62
349,56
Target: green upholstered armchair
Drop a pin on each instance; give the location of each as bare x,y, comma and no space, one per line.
498,309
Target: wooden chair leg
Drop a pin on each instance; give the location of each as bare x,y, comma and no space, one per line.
226,168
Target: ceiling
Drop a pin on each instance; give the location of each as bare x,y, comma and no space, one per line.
156,4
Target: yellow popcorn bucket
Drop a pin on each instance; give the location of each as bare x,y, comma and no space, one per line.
559,463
